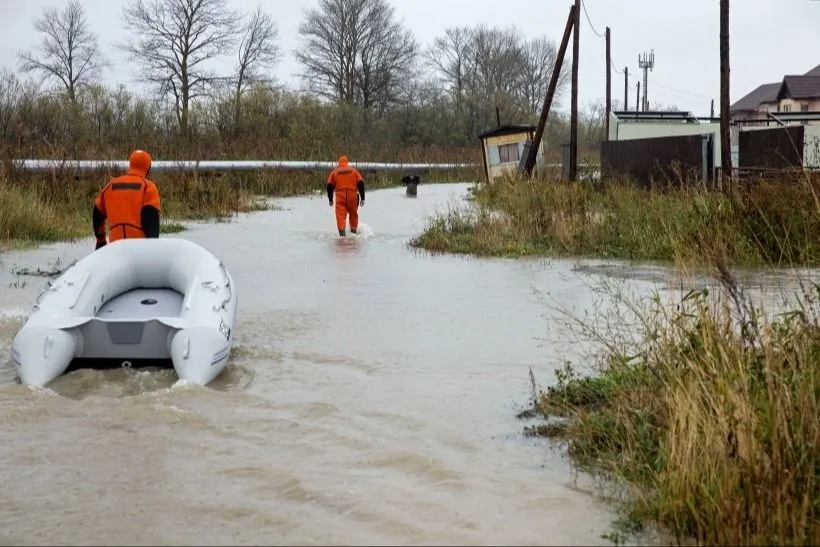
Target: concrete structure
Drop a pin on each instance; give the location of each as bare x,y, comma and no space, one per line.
505,149
794,93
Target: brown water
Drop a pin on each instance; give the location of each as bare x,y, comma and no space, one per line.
371,399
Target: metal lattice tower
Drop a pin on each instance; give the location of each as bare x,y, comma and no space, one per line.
646,62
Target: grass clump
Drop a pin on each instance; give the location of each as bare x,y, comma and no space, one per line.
710,409
759,223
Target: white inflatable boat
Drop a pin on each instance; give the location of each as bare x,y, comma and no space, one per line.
135,302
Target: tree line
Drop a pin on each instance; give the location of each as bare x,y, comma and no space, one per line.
366,85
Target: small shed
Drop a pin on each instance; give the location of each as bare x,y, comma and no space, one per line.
505,148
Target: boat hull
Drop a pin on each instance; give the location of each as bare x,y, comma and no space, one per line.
133,302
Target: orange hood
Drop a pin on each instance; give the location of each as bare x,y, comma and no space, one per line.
139,163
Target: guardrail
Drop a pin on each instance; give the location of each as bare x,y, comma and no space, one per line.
215,165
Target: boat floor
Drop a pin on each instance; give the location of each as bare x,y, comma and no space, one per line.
137,305
143,304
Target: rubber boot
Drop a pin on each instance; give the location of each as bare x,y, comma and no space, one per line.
342,232
353,230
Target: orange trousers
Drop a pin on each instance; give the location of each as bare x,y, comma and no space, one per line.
347,203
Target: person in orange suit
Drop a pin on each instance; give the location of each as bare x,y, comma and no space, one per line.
348,186
129,202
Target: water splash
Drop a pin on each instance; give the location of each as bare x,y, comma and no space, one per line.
364,231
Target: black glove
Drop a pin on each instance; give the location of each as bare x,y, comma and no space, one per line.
101,242
330,202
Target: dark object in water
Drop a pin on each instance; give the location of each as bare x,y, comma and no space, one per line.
412,183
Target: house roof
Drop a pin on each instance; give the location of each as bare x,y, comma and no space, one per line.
813,72
508,129
800,87
766,93
805,86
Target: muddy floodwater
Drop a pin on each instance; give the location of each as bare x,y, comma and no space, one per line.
371,399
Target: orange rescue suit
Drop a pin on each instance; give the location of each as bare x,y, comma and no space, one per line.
130,203
348,185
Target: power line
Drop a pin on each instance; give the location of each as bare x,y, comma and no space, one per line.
682,91
598,34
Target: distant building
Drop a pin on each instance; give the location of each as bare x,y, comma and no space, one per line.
504,148
794,93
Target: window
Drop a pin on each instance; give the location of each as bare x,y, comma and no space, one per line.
508,153
804,107
787,108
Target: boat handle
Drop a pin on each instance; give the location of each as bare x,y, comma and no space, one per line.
227,286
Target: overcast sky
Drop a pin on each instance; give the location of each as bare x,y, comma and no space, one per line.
770,38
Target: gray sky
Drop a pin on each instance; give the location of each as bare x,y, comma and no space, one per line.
770,38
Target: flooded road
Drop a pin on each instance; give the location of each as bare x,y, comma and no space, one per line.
371,399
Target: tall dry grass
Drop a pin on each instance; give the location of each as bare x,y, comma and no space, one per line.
762,222
709,407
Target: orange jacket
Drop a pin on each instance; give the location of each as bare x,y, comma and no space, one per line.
344,178
127,202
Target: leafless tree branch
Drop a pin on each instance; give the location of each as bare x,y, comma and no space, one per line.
354,51
258,52
69,51
172,40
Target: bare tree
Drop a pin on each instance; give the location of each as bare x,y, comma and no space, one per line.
258,51
69,51
448,56
537,60
355,51
173,40
488,67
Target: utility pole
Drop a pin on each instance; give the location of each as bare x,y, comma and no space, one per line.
573,121
608,82
712,109
638,97
725,136
532,156
626,89
646,63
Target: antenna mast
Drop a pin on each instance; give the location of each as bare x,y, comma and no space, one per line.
646,62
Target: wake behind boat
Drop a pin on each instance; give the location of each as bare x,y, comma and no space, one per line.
136,301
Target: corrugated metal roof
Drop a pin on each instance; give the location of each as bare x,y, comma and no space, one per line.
507,130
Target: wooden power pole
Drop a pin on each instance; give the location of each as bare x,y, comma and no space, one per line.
608,83
725,136
545,108
626,89
573,113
